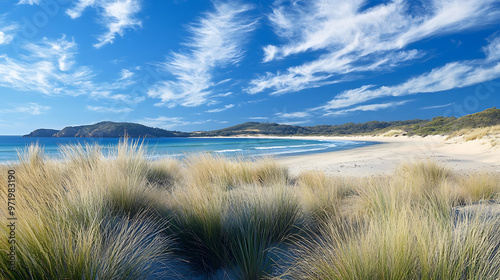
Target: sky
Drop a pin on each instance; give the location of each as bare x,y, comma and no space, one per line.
202,65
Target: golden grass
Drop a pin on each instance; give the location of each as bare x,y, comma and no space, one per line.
491,132
120,216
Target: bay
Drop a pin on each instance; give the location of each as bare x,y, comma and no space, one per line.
11,146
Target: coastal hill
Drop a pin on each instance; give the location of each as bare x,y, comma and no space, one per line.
437,125
42,133
108,129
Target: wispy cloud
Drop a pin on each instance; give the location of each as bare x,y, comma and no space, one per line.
350,38
115,15
50,67
29,108
170,122
437,106
101,109
216,42
6,33
258,118
221,109
46,67
293,115
370,107
450,76
30,2
294,122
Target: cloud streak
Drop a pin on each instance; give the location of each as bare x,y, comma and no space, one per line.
350,38
221,109
169,122
450,76
50,67
30,108
101,109
216,42
369,107
115,15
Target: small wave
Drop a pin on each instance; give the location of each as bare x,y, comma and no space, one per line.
229,151
298,151
273,147
323,146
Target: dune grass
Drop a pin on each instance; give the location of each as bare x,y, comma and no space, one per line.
118,215
490,132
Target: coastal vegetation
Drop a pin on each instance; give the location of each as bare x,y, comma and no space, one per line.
89,216
435,126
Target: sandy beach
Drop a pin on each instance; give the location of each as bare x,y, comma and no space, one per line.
380,159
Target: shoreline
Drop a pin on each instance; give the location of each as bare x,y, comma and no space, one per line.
383,157
385,153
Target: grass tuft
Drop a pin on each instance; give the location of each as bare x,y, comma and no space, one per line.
117,215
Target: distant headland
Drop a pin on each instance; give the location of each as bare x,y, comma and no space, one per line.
434,126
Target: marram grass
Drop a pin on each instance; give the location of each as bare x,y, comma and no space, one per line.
113,214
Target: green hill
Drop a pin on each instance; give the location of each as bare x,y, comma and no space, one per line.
437,125
42,132
111,129
447,125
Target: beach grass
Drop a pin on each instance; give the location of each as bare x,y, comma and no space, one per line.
115,214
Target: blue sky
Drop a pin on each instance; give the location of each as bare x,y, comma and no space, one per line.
202,65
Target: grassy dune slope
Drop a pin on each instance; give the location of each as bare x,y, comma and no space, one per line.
93,217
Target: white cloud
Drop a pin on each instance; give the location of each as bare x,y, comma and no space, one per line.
221,109
452,75
169,122
44,68
5,38
437,106
108,110
493,50
216,42
62,50
293,115
370,107
125,74
29,108
49,67
223,94
258,118
350,38
116,15
294,123
29,2
7,32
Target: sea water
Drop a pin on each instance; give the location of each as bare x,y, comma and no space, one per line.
12,146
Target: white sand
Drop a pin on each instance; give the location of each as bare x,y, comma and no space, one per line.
461,156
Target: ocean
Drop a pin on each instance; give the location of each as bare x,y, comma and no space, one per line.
10,146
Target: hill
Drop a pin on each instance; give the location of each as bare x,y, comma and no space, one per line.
109,129
42,133
437,125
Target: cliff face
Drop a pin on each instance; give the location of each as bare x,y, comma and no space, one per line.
110,129
42,133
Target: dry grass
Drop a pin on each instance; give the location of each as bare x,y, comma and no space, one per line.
492,133
120,216
405,226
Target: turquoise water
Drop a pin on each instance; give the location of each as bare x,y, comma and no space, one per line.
179,147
